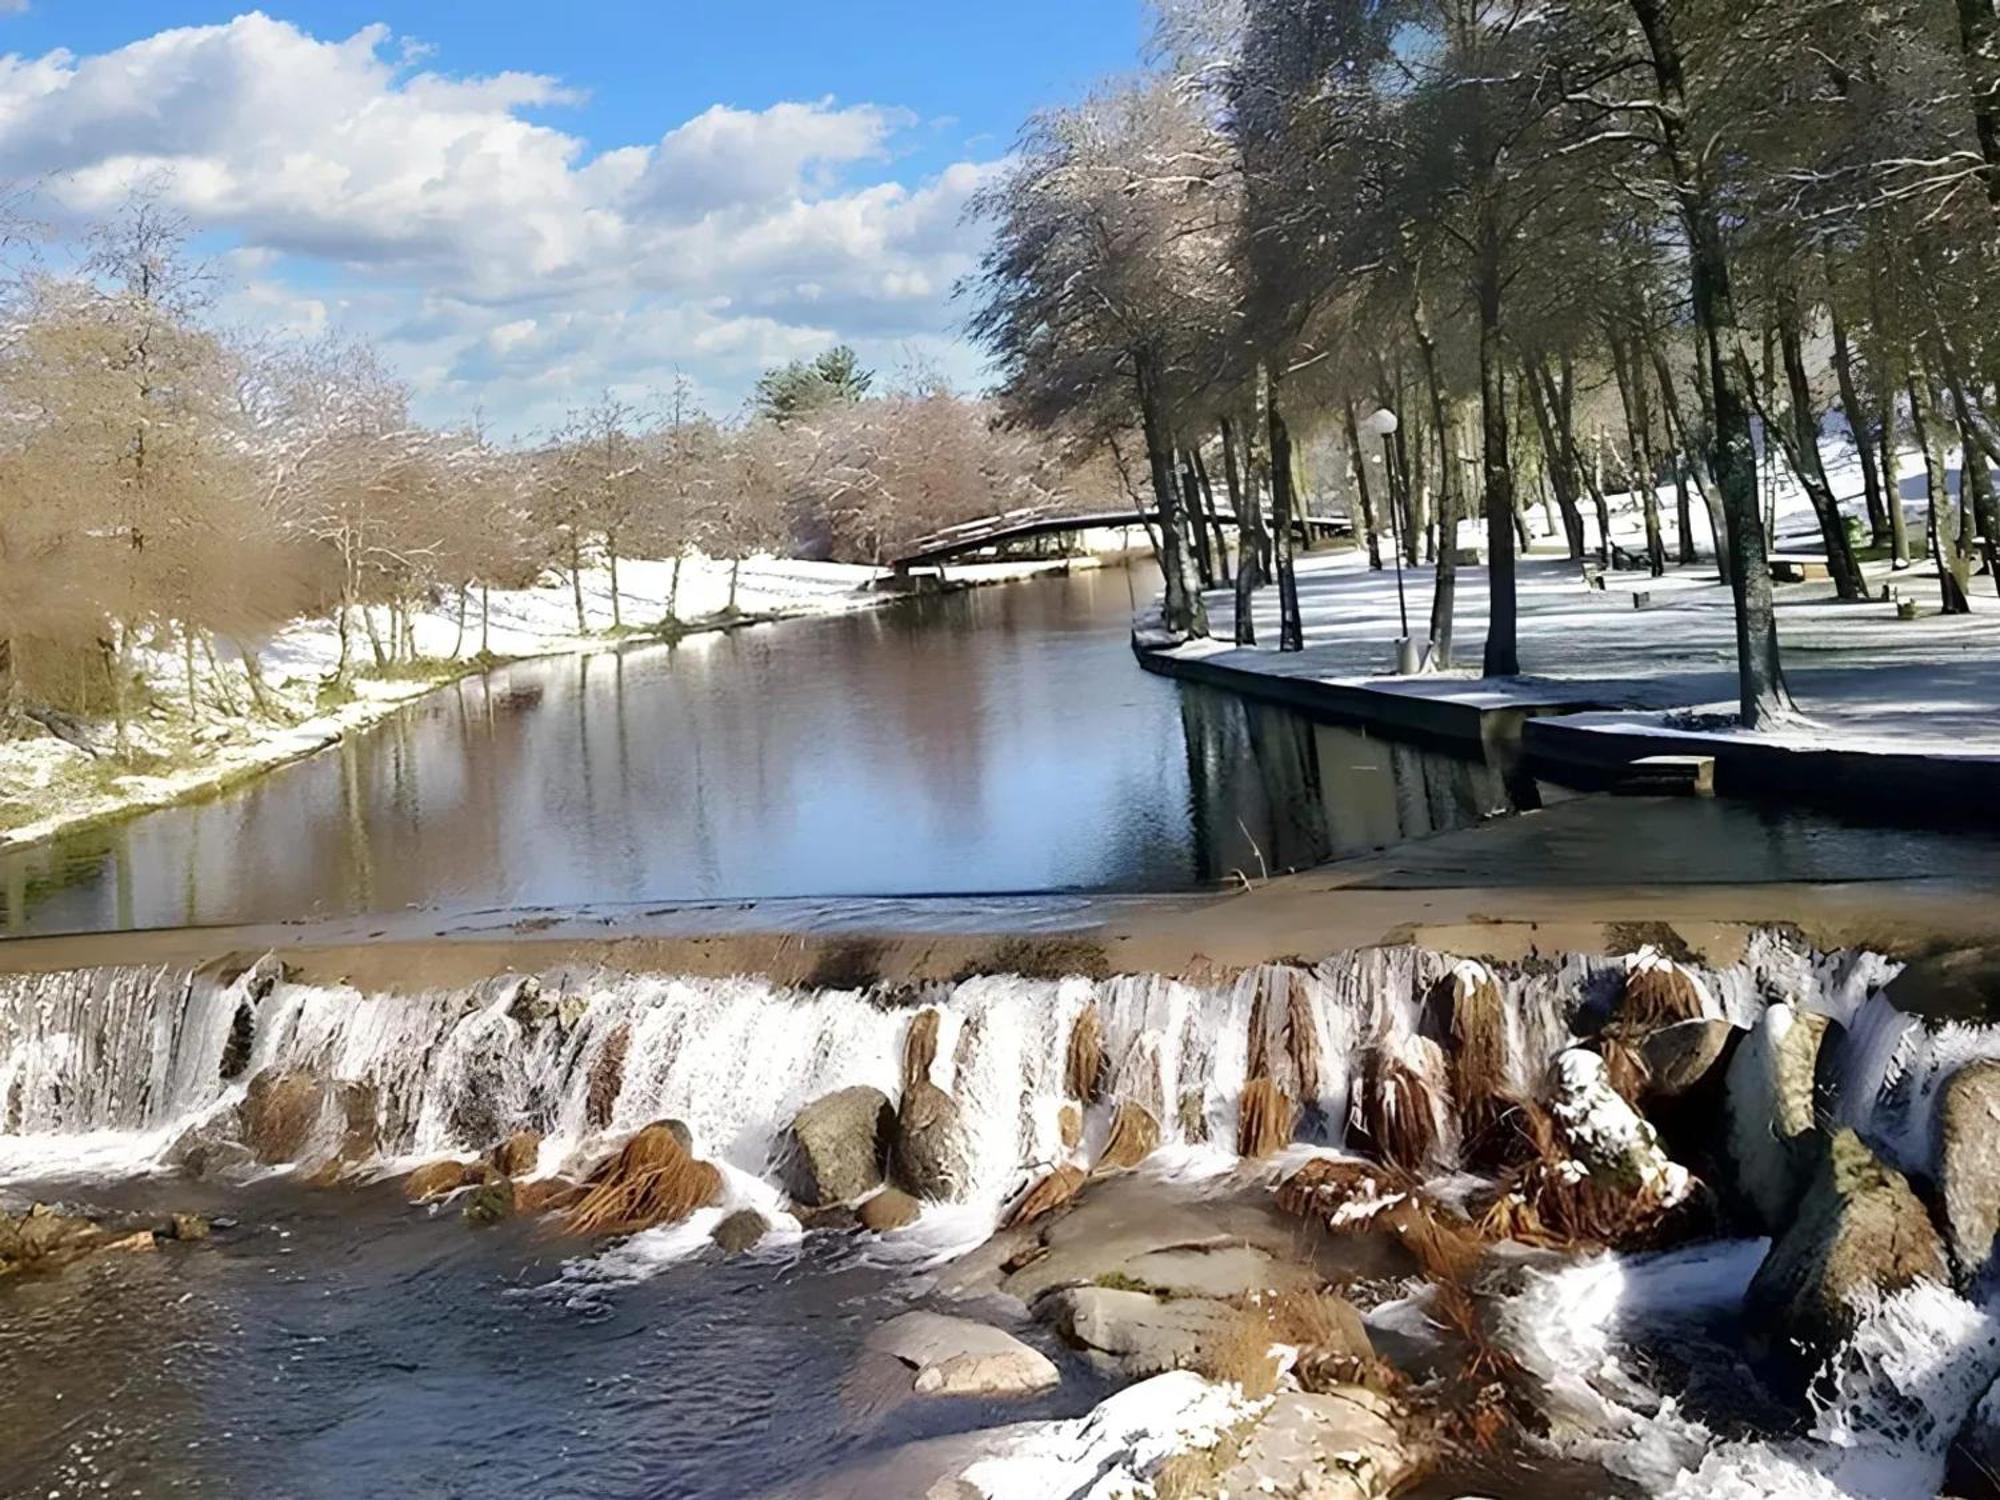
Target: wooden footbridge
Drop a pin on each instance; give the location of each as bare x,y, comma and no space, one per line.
1024,525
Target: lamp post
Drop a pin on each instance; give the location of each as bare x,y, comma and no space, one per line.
1382,423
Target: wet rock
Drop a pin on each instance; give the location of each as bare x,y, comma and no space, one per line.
1192,1116
1346,1443
490,1202
930,1155
1613,1140
1069,1126
1968,1164
1135,1135
281,1112
517,1155
438,1179
1680,1057
140,1241
834,1216
889,1209
545,1195
607,1077
187,1228
920,1044
1770,1148
1046,1196
740,1231
211,1148
1858,1229
1659,992
1083,1063
1135,1331
242,1038
838,1145
958,1357
530,1007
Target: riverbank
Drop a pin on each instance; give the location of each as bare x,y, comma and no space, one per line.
1893,707
50,786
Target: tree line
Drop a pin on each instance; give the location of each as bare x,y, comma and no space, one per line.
170,485
1577,247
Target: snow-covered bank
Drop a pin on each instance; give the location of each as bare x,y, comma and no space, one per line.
48,785
1659,654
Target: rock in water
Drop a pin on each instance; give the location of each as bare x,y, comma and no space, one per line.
892,1208
1607,1135
490,1202
438,1179
652,1180
1679,1057
838,1145
1343,1444
1858,1230
1770,1089
740,1230
1264,1120
920,1046
281,1113
958,1357
1135,1135
516,1156
931,1155
1136,1331
1968,1163
1046,1196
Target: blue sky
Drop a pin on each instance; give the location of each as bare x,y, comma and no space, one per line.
526,203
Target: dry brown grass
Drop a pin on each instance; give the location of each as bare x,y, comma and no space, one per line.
1260,1024
920,1044
1046,1196
607,1077
1302,1038
1398,1113
1625,1068
1265,1119
651,1181
1659,995
1083,1070
1135,1135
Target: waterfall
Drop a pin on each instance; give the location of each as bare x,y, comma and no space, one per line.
106,1067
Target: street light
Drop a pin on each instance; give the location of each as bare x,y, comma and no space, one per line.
1382,423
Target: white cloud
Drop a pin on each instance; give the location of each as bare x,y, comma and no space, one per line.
502,257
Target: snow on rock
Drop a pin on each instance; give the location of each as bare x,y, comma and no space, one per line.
1607,1135
1112,1451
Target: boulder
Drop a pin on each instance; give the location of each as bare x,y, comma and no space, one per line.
211,1148
740,1230
1769,1144
1343,1444
931,1155
1135,1135
530,1007
1679,1057
438,1179
1607,1135
1046,1196
837,1147
1857,1230
836,1217
1265,1119
281,1113
187,1228
892,1208
517,1155
1135,1331
958,1357
1967,1168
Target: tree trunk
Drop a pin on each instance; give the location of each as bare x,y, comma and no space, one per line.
1976,499
187,671
1224,574
1291,626
1197,522
1693,464
1359,461
374,638
1954,574
485,620
576,580
1800,439
1854,413
735,572
1249,520
1638,427
1185,613
1503,652
1976,36
1444,588
1556,459
1761,691
611,557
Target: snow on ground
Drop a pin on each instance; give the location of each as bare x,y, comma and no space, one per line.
1642,647
47,784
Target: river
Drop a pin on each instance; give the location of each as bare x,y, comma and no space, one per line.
992,741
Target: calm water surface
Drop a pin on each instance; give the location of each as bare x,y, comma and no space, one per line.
994,741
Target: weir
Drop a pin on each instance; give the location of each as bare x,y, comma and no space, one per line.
121,1066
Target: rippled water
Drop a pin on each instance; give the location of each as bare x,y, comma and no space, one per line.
343,1344
992,741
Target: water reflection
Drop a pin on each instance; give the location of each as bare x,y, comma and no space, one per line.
995,741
